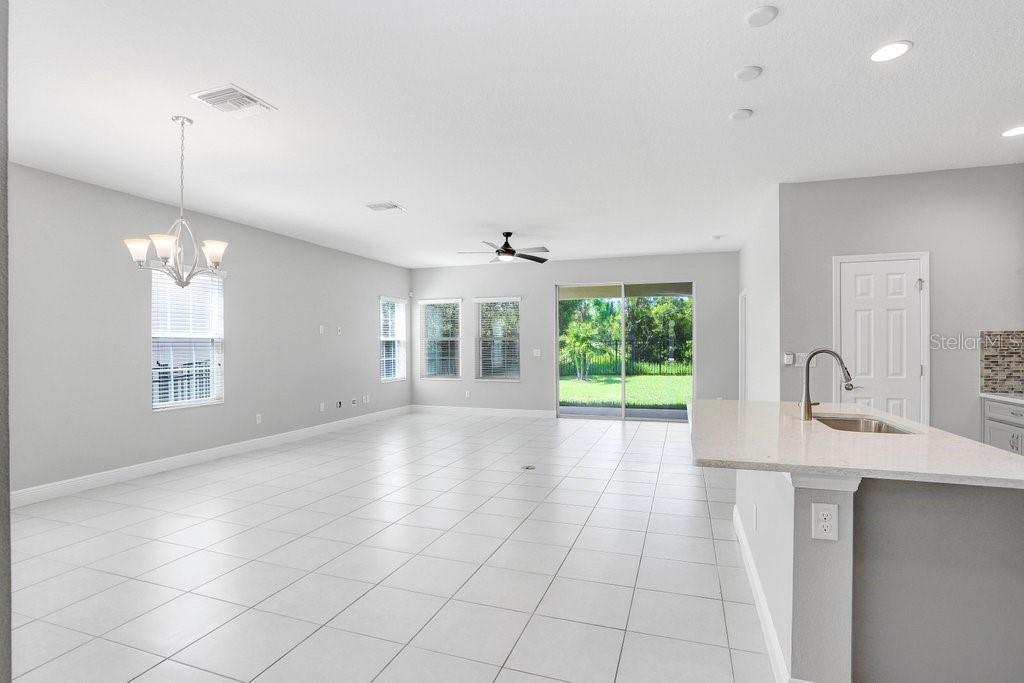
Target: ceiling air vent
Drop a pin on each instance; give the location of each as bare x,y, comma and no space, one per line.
233,100
384,206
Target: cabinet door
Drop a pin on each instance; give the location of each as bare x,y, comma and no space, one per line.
1004,436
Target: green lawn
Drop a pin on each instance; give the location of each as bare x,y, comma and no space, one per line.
642,391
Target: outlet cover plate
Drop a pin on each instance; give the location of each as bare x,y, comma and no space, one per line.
825,521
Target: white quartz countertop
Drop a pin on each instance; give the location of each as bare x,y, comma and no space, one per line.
1006,398
769,435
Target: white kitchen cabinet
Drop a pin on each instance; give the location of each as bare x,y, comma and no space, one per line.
1003,424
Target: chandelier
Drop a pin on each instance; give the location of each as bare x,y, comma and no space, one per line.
177,254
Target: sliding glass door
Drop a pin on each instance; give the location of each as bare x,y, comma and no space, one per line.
658,350
590,350
625,350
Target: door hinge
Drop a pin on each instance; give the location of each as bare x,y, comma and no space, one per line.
920,284
922,369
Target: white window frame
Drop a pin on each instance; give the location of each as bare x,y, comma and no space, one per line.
421,353
218,382
401,338
480,337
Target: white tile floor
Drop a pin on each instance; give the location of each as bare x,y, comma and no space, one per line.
416,549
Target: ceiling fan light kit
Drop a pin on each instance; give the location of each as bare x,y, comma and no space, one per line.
173,248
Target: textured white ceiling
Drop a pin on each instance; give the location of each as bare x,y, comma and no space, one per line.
599,128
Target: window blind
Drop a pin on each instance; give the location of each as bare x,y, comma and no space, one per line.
392,339
498,343
187,335
441,339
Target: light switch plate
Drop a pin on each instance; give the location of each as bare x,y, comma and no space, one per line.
788,358
825,521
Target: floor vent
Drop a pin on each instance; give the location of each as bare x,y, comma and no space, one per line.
233,100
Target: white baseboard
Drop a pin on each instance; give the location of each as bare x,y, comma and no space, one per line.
780,670
69,487
469,410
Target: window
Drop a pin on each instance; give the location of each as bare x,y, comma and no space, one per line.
187,329
392,339
440,340
498,348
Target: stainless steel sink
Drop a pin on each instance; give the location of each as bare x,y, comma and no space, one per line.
854,423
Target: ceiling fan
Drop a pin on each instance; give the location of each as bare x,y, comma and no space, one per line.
506,253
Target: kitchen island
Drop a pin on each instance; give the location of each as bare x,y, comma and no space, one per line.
925,580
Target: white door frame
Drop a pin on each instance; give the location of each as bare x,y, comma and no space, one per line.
926,329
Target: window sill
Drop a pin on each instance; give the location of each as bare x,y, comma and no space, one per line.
499,380
441,379
181,405
393,380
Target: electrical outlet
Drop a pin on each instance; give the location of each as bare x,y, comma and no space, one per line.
259,418
323,406
341,404
825,521
467,393
321,329
366,398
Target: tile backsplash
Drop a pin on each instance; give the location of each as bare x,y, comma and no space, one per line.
1002,362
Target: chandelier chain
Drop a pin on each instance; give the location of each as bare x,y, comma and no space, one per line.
181,173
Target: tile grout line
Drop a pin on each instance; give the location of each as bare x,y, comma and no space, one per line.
618,464
640,564
470,577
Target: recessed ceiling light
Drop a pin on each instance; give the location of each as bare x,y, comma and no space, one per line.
1013,132
741,114
748,73
762,16
889,52
385,206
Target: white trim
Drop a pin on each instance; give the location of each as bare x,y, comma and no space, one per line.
497,299
824,482
67,487
439,301
776,657
497,412
926,325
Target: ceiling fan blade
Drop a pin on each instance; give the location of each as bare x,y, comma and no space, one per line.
492,245
530,257
474,252
534,250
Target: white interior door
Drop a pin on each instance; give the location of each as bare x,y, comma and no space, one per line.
881,320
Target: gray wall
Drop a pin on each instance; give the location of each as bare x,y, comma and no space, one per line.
5,453
714,276
759,279
970,220
938,583
80,353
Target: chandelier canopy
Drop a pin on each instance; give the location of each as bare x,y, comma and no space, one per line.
177,253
